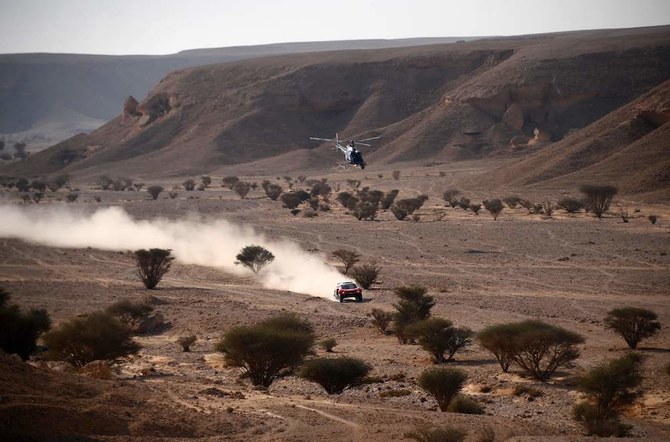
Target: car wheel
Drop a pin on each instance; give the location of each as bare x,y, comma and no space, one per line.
359,298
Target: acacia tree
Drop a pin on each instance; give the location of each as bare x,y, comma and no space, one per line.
19,330
154,191
633,324
598,198
438,337
348,257
254,257
494,206
242,188
152,264
498,339
443,383
414,306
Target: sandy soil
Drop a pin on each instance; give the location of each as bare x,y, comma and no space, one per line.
568,270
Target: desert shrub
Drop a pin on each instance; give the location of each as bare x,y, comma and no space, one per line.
310,213
527,204
353,184
152,264
186,342
525,390
464,203
414,305
328,344
652,219
229,181
438,337
401,209
570,205
609,388
97,370
98,336
206,180
37,197
71,197
302,195
450,194
443,383
494,207
465,405
290,200
624,215
323,207
347,200
598,198
321,189
173,194
313,203
366,274
273,191
289,181
335,375
138,186
268,350
349,258
131,314
541,348
365,210
19,331
189,185
254,257
396,175
436,434
633,324
38,185
388,199
295,212
512,201
22,185
242,188
475,208
154,191
381,319
498,339
548,207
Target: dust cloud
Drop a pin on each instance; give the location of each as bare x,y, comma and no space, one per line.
205,243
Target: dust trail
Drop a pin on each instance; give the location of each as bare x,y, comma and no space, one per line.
206,243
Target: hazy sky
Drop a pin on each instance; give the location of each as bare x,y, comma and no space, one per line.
168,26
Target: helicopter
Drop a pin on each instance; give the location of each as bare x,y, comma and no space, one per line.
352,155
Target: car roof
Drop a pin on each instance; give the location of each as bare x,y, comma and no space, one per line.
346,282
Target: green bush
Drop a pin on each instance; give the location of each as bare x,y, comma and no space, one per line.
498,339
268,350
609,388
335,375
130,313
443,383
438,337
414,305
598,198
19,331
366,274
152,264
633,324
254,257
433,434
98,336
465,405
541,348
381,319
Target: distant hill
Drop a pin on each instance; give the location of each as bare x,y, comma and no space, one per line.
480,99
46,98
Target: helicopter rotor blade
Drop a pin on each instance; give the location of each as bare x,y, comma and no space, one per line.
368,139
323,139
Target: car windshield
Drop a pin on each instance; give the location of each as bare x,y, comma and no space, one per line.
350,285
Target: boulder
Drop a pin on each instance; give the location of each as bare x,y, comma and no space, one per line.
130,107
152,324
513,117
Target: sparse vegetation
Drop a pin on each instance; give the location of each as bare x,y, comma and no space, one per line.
396,175
381,319
273,191
71,197
512,201
414,305
229,181
335,375
254,257
475,208
652,219
498,339
609,387
366,274
570,205
242,188
154,191
450,194
348,258
290,200
268,350
186,342
152,264
19,331
401,209
494,206
189,185
98,336
438,337
598,198
443,383
548,207
633,324
465,405
130,313
328,344
206,180
387,201
624,215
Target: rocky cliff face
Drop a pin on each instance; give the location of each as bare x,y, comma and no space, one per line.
438,103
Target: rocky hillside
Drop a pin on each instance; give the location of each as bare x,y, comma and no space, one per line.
433,103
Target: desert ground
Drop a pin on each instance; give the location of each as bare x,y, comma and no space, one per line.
564,269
